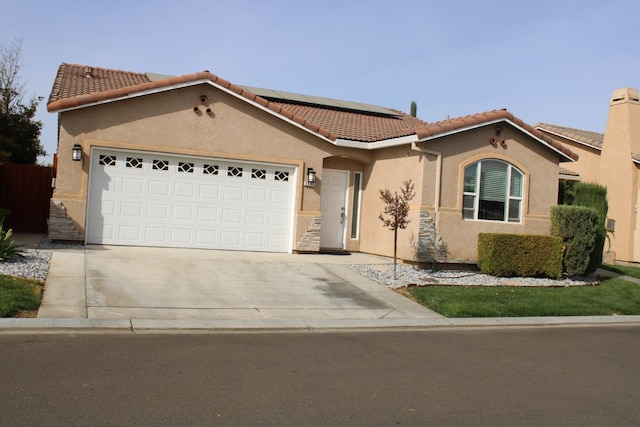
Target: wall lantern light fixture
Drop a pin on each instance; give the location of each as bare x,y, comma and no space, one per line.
311,178
76,153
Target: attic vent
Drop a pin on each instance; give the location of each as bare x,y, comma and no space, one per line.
88,72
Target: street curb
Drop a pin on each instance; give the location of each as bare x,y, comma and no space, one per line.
66,325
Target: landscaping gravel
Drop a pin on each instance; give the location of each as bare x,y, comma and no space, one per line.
32,264
406,275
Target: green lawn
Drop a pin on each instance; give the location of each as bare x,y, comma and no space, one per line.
613,296
18,294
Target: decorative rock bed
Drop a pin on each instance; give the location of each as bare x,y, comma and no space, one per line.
406,276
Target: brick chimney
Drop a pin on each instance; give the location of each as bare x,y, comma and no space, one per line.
619,173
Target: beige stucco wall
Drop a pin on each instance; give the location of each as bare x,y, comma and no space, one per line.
392,166
389,169
588,163
166,122
620,175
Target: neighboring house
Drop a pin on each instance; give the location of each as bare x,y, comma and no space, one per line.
195,161
611,159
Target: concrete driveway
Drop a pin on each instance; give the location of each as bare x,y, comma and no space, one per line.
111,282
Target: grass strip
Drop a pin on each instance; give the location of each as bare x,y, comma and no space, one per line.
612,297
18,294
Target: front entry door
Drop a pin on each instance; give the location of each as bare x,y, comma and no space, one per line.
333,196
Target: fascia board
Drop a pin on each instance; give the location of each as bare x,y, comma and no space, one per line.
403,140
133,95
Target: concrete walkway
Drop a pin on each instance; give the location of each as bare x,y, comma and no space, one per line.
133,289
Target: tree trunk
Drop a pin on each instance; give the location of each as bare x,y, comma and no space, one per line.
395,250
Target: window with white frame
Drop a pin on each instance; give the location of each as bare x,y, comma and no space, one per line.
355,217
492,191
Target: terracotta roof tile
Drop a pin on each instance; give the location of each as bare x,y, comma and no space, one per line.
593,139
77,80
564,171
78,85
355,126
433,129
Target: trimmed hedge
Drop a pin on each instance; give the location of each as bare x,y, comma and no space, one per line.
594,195
511,255
577,226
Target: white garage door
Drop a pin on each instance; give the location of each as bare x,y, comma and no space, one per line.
148,199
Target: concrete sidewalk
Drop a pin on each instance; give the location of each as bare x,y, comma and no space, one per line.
131,289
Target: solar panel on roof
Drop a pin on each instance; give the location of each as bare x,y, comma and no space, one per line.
318,100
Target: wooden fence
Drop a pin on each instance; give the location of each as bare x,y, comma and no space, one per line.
26,190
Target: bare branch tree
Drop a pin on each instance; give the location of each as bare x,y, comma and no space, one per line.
11,88
396,210
19,132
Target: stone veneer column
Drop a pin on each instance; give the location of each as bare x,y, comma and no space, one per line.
60,226
310,240
430,246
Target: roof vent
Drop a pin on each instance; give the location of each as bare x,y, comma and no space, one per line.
88,72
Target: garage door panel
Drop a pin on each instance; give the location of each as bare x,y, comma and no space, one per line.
183,213
159,188
230,239
256,218
207,215
108,208
209,192
254,240
184,189
157,211
181,236
157,235
164,200
128,233
231,216
131,210
279,219
132,186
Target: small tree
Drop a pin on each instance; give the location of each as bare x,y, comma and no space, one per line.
395,213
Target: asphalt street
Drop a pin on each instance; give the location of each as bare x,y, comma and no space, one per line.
498,377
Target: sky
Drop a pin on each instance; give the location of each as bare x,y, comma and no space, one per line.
552,61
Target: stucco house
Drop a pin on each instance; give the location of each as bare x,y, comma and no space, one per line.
611,159
195,161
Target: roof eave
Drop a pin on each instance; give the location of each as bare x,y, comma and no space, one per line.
376,145
70,104
543,129
562,155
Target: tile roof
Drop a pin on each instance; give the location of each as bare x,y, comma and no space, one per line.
78,85
356,126
77,80
593,139
567,172
444,126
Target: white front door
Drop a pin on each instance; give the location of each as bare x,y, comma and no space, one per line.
333,207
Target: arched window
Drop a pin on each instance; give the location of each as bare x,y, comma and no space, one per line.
492,191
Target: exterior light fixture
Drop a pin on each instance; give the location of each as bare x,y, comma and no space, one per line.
76,153
311,178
